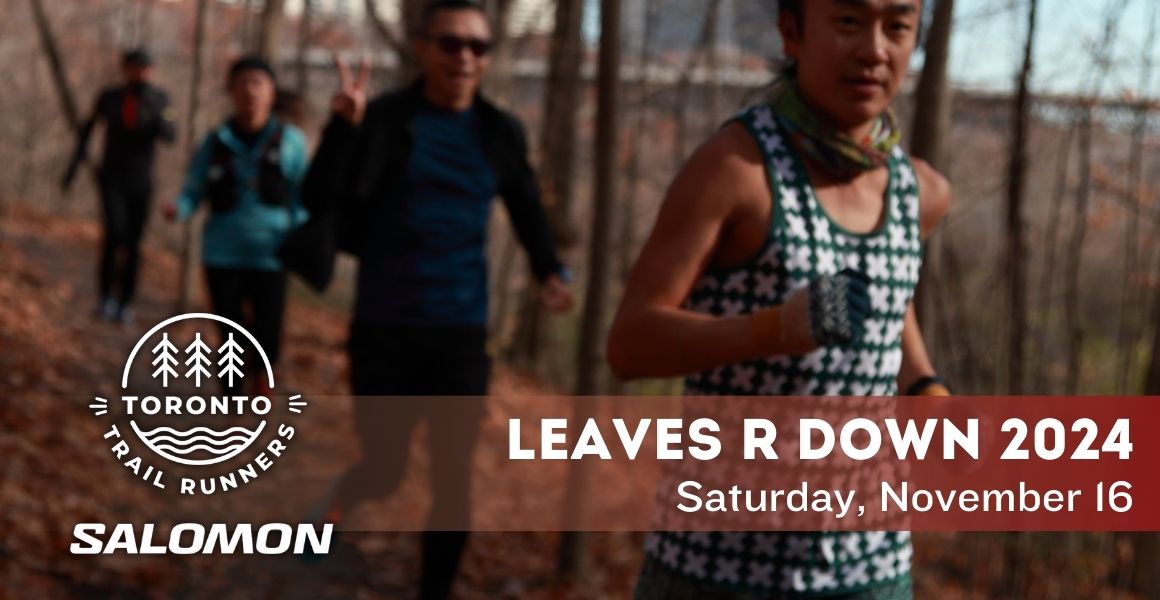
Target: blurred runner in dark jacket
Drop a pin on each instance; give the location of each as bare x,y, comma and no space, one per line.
414,175
136,115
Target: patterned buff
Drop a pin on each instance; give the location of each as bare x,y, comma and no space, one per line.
843,157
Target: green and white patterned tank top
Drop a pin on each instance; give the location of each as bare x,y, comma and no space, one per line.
804,243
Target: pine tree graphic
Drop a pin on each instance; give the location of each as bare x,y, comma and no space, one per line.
197,351
230,357
164,350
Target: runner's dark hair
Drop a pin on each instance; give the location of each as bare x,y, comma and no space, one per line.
435,7
249,62
136,57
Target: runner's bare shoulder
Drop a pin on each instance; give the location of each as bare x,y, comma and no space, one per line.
724,178
934,195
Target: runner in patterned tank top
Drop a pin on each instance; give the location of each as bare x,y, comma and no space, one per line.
783,262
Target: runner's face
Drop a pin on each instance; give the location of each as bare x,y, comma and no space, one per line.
253,93
852,55
451,64
136,73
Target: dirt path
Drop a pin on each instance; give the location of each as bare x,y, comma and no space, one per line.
54,354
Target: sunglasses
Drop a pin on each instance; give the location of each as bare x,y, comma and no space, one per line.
454,46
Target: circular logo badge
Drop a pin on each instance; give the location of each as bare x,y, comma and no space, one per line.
198,395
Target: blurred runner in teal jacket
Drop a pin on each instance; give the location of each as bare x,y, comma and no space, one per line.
249,171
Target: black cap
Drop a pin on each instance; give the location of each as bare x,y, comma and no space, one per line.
250,62
136,57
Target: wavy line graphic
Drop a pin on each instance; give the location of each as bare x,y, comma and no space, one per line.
215,449
205,430
171,452
197,448
179,441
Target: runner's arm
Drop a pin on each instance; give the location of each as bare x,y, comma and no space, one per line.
916,362
653,335
935,200
296,164
521,197
166,119
195,178
84,132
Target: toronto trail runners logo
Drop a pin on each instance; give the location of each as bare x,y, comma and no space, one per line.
182,407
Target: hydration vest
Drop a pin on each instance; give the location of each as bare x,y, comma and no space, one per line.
223,187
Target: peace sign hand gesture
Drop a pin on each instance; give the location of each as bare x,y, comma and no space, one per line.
350,102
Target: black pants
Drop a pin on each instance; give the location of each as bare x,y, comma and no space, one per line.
255,300
125,208
409,363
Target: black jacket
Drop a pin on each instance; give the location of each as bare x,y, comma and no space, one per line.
129,148
354,169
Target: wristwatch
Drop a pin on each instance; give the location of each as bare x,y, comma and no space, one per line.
930,385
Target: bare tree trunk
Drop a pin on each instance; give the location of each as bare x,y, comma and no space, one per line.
932,115
641,105
502,79
398,41
932,110
30,137
48,43
685,85
558,166
305,26
1146,563
561,104
1129,311
1152,378
503,83
127,22
952,272
249,9
1019,551
189,242
270,31
606,151
1075,252
105,42
502,292
1071,299
947,349
626,244
713,62
56,64
145,27
1130,301
1047,285
1016,253
1102,59
607,155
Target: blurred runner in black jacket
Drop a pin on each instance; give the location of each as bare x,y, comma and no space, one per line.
136,114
